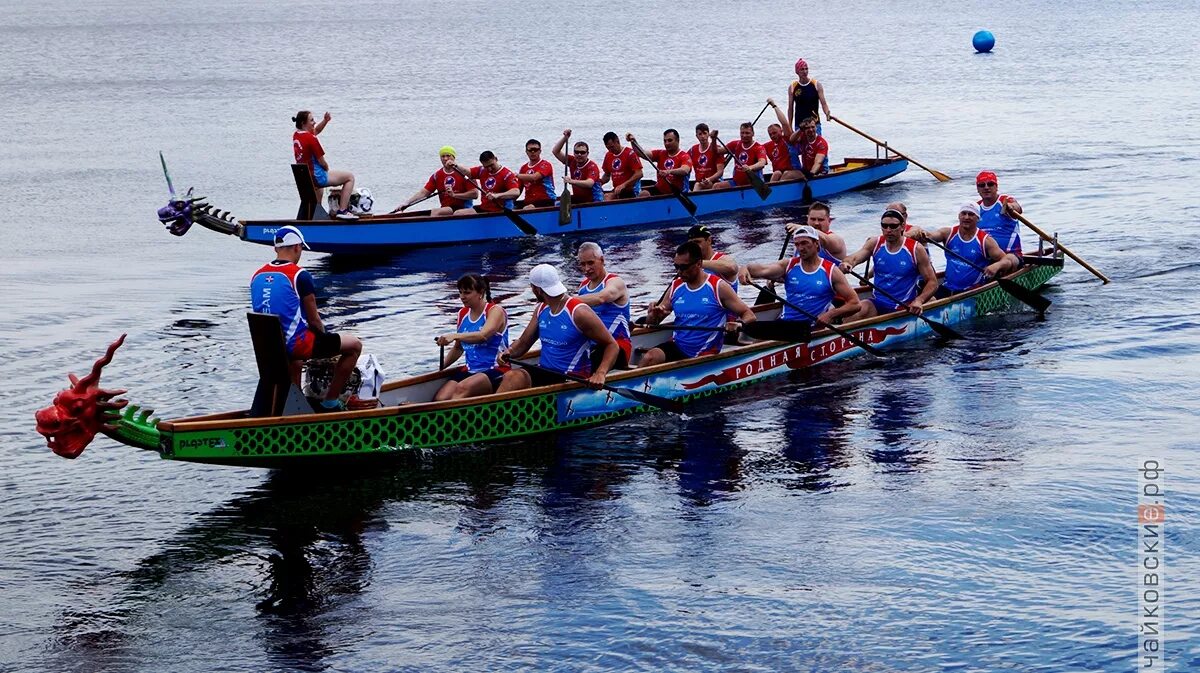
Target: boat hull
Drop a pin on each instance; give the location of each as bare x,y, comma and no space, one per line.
233,439
382,235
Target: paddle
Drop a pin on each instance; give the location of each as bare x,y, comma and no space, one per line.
760,114
673,406
1034,300
1047,237
397,209
942,177
755,179
564,201
170,187
816,319
688,204
441,355
806,199
516,219
941,328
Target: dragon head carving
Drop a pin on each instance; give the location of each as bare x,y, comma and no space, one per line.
82,410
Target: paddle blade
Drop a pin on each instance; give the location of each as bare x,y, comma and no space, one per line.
564,208
666,404
779,330
1032,299
524,226
943,330
687,202
942,177
760,187
806,196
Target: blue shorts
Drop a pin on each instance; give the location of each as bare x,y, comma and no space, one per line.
883,304
320,176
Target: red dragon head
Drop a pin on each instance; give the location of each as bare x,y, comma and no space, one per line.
79,412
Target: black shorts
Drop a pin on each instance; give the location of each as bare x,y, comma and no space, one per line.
622,361
325,345
494,376
539,378
671,350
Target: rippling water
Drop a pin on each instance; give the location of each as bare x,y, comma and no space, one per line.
967,507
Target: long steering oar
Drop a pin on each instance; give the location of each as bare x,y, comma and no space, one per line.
941,328
817,320
1037,230
516,219
755,179
942,177
1034,300
806,199
688,204
673,406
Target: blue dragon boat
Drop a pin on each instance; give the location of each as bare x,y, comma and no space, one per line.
386,234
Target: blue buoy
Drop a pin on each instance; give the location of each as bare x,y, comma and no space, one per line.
983,41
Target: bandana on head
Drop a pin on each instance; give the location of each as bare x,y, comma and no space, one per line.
801,64
986,176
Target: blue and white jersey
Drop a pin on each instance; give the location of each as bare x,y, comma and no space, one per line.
481,356
1001,227
698,308
565,348
812,292
960,275
895,273
614,316
277,288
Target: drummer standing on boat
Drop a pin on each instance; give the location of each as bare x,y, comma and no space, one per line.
706,161
810,282
585,174
537,177
453,190
805,94
607,295
698,299
623,167
901,264
285,289
307,150
574,341
500,185
671,164
995,215
970,247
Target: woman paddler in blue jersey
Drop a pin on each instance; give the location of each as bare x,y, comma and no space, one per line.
481,332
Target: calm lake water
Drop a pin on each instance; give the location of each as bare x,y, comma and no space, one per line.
968,507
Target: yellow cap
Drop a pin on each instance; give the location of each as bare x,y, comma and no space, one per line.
448,150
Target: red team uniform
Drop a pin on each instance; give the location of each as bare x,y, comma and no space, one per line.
589,171
446,184
781,158
542,190
307,149
809,151
745,156
665,161
704,162
492,183
622,167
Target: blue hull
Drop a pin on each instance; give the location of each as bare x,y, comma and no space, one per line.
385,234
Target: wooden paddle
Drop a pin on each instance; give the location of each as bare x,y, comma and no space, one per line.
688,204
941,328
817,320
673,406
806,199
942,177
1034,300
760,114
564,201
397,210
516,219
755,179
1062,247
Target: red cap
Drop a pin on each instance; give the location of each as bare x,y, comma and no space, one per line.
986,176
801,64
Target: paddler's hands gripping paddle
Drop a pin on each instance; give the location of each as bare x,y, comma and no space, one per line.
756,180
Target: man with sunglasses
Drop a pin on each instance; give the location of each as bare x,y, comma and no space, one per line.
584,179
698,299
995,215
537,177
901,265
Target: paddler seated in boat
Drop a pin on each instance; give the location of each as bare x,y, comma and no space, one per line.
698,299
607,295
671,165
453,190
810,282
706,159
500,185
747,155
621,166
784,161
480,332
995,215
971,246
712,261
833,246
901,265
574,341
910,230
810,149
584,177
307,150
285,289
536,176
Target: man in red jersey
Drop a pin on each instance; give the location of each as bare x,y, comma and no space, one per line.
584,177
453,190
499,185
622,166
748,155
537,177
811,148
706,161
785,160
672,165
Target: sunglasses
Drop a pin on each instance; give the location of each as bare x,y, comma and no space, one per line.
985,184
685,267
581,152
533,149
890,225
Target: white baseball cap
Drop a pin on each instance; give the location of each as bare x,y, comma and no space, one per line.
545,277
288,236
969,207
805,231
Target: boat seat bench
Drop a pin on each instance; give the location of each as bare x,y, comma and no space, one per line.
310,194
277,393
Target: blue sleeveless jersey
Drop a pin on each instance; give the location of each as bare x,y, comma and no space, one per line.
615,317
999,226
812,292
565,349
960,275
895,273
481,356
700,307
273,290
